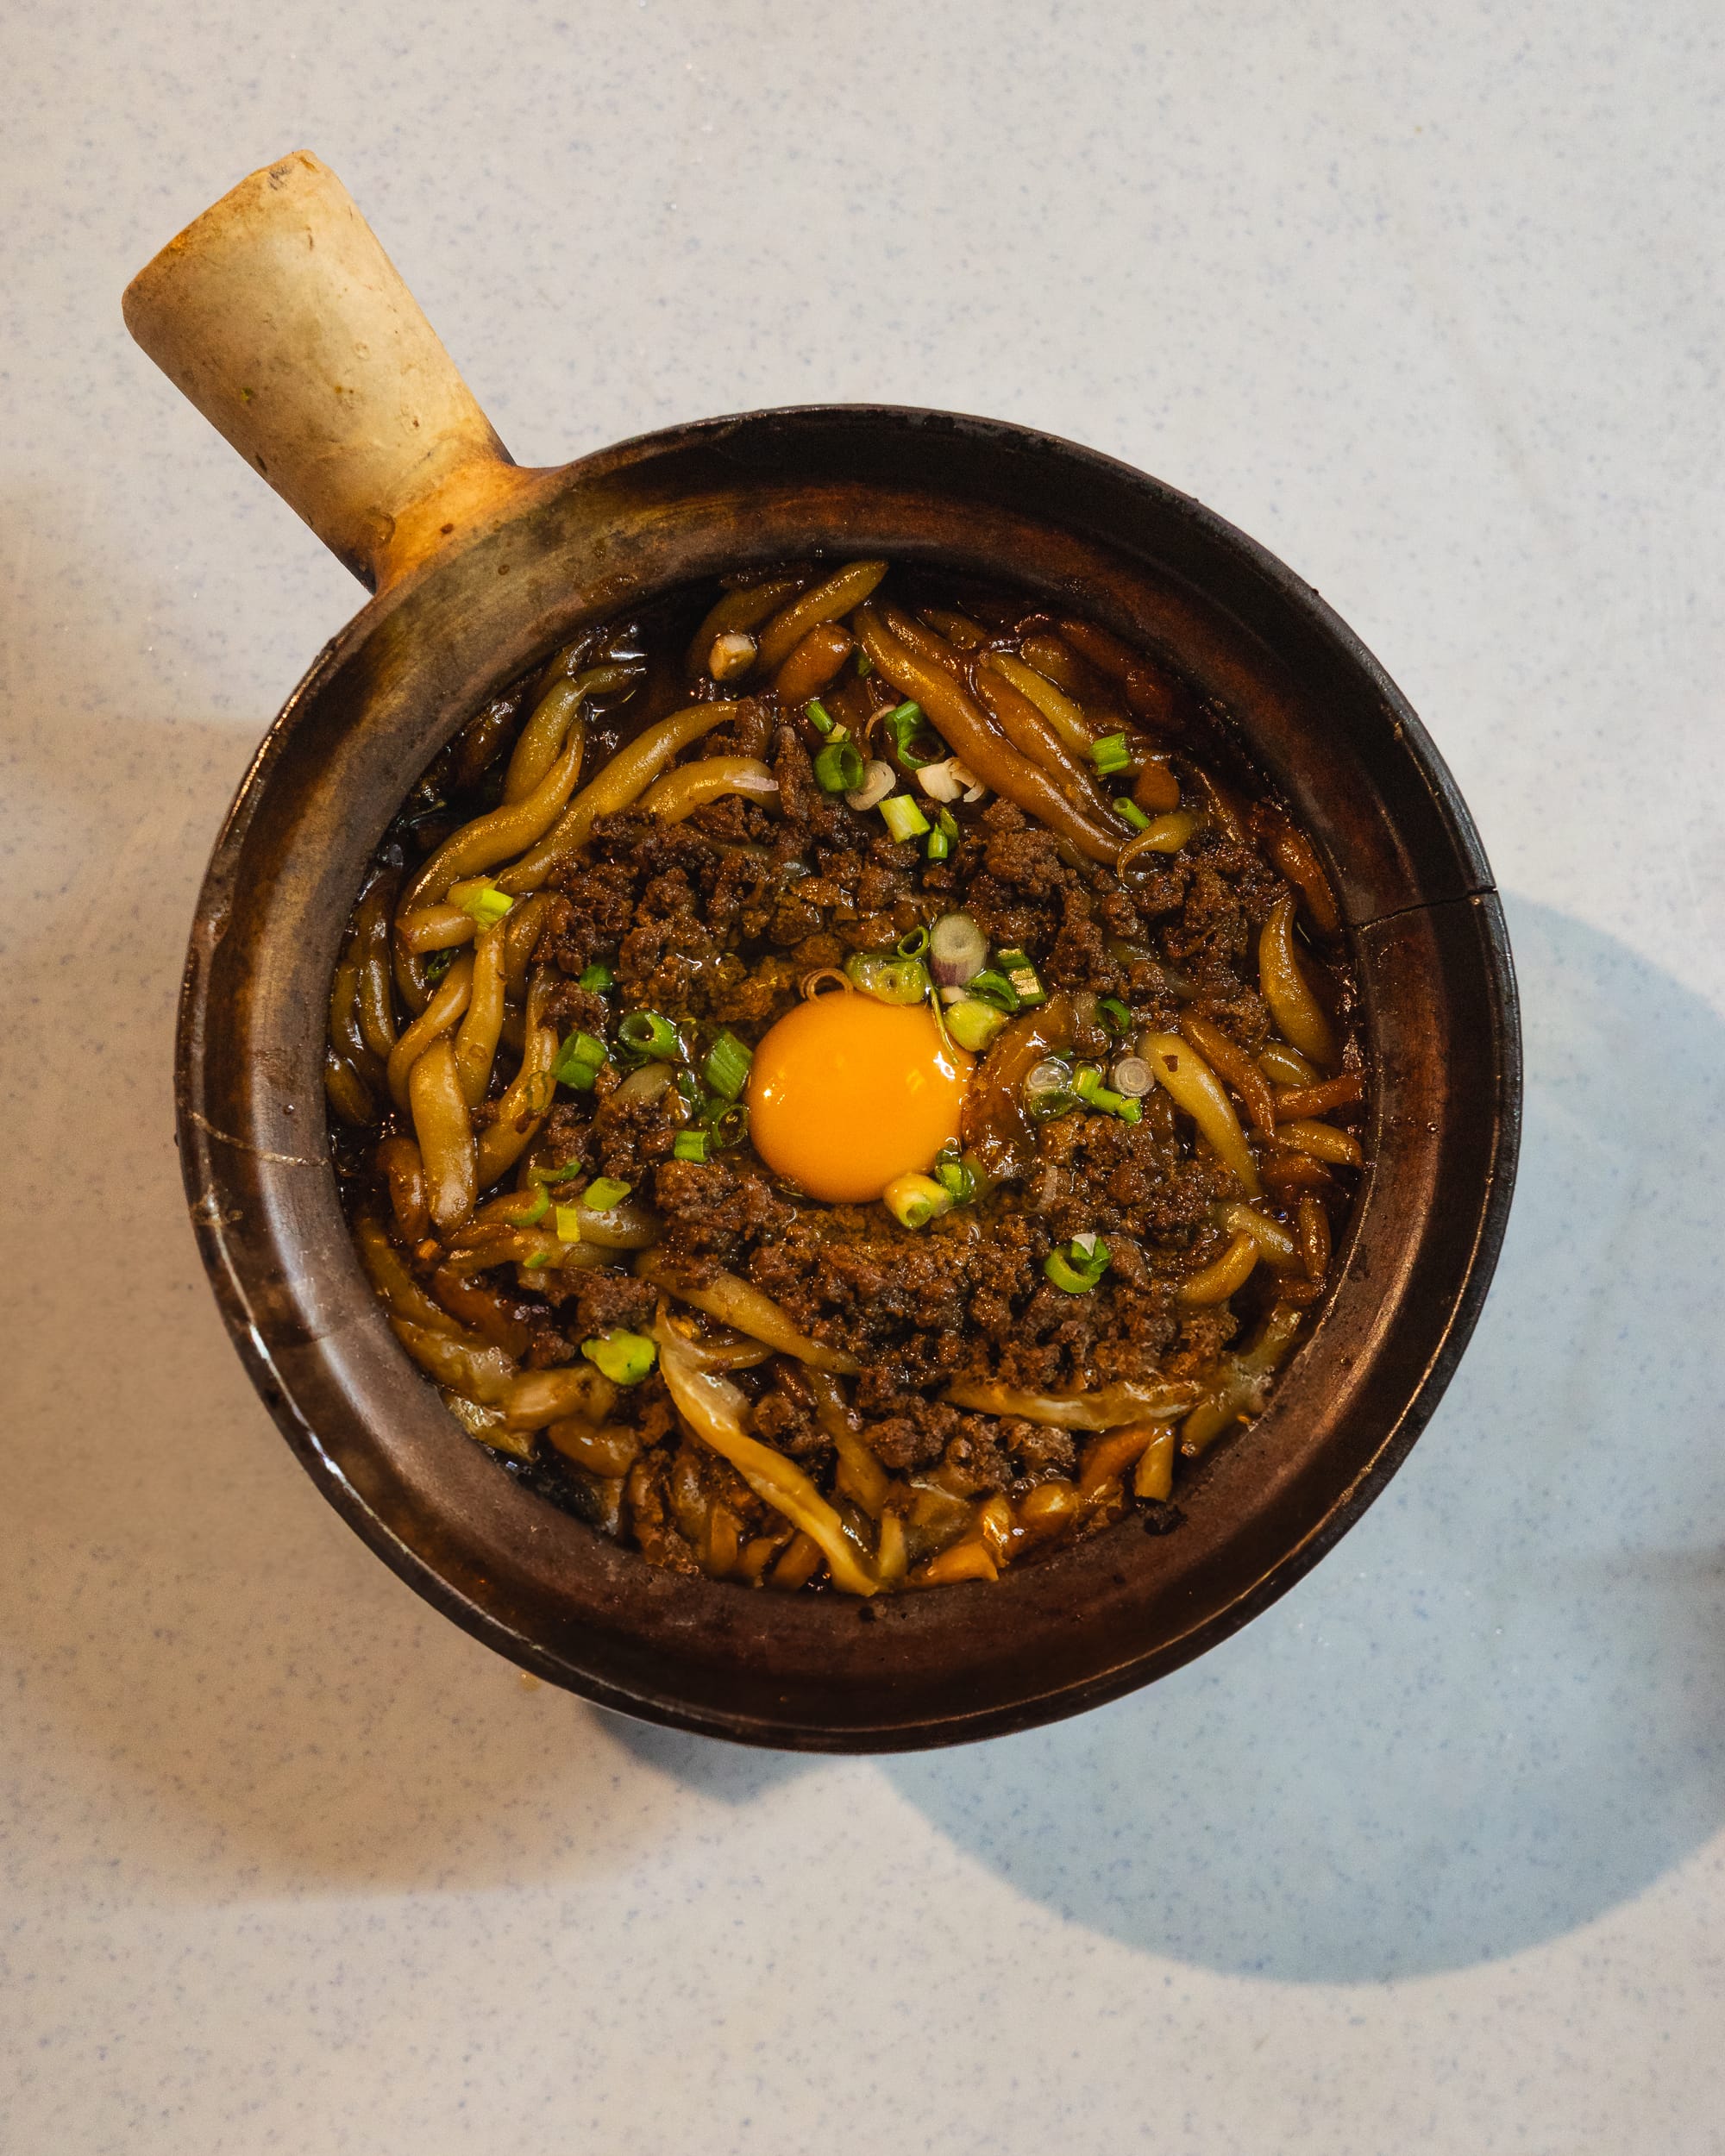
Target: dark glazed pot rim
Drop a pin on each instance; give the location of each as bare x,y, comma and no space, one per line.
1324,724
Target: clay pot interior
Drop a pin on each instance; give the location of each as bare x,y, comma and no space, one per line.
529,559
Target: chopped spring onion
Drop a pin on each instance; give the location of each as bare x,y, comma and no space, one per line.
1048,1089
437,965
996,988
838,768
1077,1266
569,1223
956,1177
604,1191
1132,1076
727,1123
689,1146
913,945
1124,805
904,818
943,837
1110,754
1027,982
726,1068
579,1061
915,1201
865,666
958,949
888,979
904,725
537,1259
533,1214
817,716
1114,1014
624,1357
1094,1093
596,979
973,1024
555,1174
481,901
649,1038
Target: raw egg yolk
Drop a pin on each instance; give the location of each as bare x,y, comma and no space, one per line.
845,1094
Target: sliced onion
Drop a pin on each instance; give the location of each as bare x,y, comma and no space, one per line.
957,950
878,781
1132,1076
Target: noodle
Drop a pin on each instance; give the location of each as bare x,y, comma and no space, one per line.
828,601
743,610
1106,1408
974,737
1192,1084
637,965
621,783
477,1037
681,792
735,1303
489,839
1230,1272
1233,1063
712,1408
521,1110
1286,991
445,1132
440,1015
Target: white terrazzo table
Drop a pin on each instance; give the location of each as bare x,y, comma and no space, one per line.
1433,1856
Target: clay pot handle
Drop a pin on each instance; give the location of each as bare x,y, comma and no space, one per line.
282,320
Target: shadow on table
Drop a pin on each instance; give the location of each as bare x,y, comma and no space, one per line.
1498,1709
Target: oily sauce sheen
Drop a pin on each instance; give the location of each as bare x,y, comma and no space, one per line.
845,1081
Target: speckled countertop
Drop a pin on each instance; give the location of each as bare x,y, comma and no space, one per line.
1433,1856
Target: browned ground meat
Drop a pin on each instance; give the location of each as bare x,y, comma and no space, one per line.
715,922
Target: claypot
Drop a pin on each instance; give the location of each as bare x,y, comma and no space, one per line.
277,313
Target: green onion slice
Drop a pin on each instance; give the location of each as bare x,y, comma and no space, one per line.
624,1357
817,716
726,1068
939,845
555,1174
973,1022
1114,1014
534,1214
838,768
1049,1089
596,979
1124,805
994,987
1110,754
904,819
569,1223
485,903
904,725
579,1061
651,1038
727,1123
865,666
689,1146
604,1191
1026,981
1077,1266
887,980
915,944
539,1258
